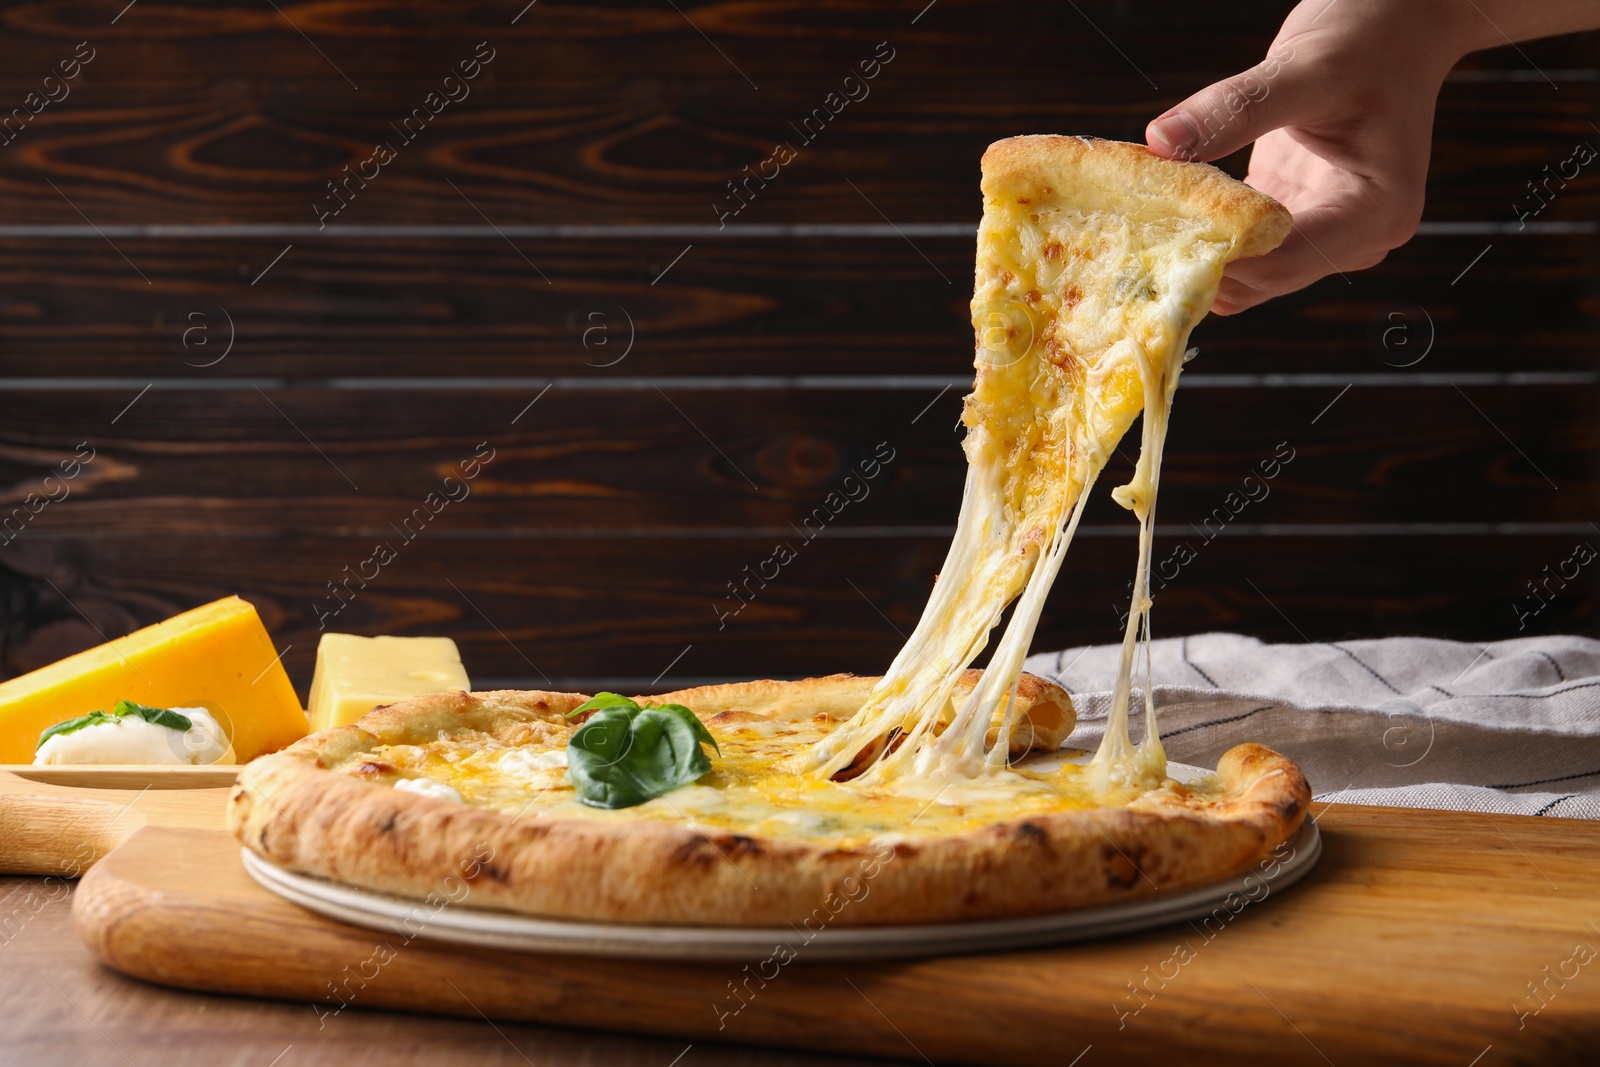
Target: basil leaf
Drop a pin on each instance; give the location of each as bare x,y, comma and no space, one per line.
603,700
666,749
693,721
595,761
72,726
625,755
159,716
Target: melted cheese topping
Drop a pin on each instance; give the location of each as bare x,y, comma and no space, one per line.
747,792
1081,321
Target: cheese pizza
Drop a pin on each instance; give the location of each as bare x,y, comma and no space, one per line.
476,787
751,804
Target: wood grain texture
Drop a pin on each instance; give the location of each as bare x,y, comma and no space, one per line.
133,776
592,608
844,306
239,462
87,1013
1425,926
379,38
52,829
604,538
610,147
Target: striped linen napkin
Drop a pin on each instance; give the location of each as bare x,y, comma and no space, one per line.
1507,726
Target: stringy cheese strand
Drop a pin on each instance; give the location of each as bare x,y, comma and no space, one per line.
1048,409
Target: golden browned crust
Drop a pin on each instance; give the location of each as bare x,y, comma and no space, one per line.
290,809
1091,174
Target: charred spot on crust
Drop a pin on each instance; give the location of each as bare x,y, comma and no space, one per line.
840,855
696,850
1120,869
372,768
1032,832
1290,808
388,822
739,845
1052,250
485,870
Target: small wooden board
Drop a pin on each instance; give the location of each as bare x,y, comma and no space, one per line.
47,828
126,776
1414,941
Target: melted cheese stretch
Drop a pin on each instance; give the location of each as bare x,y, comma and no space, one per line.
1082,320
747,792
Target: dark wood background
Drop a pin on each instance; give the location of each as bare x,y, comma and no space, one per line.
562,215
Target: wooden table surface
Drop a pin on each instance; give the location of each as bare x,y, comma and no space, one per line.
63,1007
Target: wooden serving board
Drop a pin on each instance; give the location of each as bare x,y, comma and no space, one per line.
1415,941
53,829
126,776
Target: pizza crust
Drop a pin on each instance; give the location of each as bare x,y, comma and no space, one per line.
290,809
1089,174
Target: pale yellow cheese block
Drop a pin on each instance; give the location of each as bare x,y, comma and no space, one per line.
218,657
356,674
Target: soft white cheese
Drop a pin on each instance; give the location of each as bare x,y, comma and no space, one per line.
132,740
530,762
427,787
690,800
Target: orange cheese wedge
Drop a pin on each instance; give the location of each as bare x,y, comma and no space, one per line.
218,657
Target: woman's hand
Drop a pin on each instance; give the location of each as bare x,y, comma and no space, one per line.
1341,115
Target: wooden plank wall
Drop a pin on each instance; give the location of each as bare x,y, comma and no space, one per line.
274,375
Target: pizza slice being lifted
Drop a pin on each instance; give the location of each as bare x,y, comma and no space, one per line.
1095,261
752,804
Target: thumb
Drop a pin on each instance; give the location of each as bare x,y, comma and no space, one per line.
1223,118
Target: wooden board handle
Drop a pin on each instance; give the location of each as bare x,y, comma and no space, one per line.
60,835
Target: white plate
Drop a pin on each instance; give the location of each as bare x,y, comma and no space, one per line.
503,930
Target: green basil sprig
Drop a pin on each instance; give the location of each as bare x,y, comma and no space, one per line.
158,716
625,754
